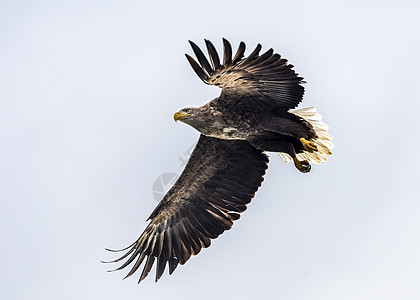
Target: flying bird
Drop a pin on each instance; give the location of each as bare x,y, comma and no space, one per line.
254,114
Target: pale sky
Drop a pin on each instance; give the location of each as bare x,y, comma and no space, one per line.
87,94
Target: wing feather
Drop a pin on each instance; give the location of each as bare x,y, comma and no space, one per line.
214,57
267,78
135,267
220,178
201,58
198,70
173,263
252,57
160,268
227,52
149,263
239,54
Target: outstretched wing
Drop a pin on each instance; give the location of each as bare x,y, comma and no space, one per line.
267,78
219,180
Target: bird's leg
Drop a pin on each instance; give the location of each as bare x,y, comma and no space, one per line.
308,145
284,146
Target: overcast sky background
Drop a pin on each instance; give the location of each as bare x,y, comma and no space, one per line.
87,94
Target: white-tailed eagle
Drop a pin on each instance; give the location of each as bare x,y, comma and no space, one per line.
255,113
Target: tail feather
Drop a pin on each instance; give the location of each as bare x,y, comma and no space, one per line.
322,139
285,157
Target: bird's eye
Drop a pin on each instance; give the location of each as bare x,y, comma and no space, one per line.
188,111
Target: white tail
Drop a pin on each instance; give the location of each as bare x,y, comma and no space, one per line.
322,139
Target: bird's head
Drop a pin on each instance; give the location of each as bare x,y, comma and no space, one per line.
193,116
184,114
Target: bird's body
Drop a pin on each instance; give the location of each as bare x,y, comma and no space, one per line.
229,124
254,114
216,122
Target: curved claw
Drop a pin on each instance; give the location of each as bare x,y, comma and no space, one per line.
304,166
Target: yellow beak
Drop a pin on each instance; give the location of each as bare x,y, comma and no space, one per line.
179,115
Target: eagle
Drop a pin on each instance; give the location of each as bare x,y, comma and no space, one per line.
254,114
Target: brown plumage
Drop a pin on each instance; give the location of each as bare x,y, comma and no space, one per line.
252,115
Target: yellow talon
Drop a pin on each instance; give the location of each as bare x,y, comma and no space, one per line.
304,166
308,145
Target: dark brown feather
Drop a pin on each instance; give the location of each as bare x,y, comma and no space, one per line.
160,268
227,52
262,82
198,70
239,53
147,267
252,57
214,57
201,58
136,265
219,179
173,263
